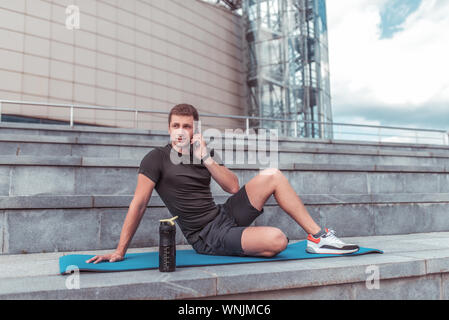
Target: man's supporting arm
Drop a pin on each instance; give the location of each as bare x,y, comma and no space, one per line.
135,213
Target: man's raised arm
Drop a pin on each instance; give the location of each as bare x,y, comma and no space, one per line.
228,181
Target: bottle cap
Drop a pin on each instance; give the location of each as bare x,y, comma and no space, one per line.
171,221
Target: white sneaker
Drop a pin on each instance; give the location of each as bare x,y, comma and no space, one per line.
329,243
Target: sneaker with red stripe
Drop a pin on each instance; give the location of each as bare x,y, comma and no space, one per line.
329,243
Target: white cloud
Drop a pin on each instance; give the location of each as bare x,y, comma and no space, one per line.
408,71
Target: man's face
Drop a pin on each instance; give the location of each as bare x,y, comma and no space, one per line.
181,130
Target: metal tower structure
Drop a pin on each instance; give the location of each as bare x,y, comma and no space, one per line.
287,65
288,72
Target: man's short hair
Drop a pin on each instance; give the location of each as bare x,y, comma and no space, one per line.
183,109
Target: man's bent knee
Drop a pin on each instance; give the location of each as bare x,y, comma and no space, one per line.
278,242
271,172
272,176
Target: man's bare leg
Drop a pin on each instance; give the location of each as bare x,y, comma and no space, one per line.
268,241
263,241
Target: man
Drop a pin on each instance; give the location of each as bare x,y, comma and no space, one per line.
222,229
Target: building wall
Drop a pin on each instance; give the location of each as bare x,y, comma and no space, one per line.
152,54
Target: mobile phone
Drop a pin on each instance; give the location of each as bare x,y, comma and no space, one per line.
196,129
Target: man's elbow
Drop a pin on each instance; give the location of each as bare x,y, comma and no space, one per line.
232,185
234,189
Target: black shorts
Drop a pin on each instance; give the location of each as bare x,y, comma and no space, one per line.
223,235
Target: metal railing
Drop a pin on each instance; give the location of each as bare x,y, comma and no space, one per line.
378,133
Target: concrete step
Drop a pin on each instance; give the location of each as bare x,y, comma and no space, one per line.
30,175
413,266
118,135
63,146
27,145
59,223
42,130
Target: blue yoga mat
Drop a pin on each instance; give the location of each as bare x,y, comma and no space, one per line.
189,258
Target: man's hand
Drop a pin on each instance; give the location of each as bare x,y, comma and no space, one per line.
111,257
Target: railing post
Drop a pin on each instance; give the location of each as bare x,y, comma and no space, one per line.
71,116
135,119
0,111
296,128
247,126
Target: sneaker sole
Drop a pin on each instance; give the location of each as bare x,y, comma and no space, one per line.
330,251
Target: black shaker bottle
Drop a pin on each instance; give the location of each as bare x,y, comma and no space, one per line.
167,245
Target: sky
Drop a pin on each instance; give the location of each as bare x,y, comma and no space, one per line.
389,62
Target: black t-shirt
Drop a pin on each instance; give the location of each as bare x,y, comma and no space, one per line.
183,185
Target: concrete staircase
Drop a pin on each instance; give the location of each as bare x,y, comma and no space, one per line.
414,266
64,190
